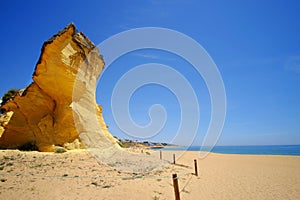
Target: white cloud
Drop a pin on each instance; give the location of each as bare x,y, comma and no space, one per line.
155,56
147,55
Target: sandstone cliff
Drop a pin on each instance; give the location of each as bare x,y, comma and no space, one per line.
59,104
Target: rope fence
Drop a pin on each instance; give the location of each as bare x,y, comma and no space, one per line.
91,177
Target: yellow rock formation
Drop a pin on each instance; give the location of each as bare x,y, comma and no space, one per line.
55,108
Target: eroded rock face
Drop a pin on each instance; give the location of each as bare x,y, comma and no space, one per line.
42,114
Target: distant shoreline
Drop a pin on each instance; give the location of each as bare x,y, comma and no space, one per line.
288,150
283,150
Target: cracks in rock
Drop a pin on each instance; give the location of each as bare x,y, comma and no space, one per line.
52,111
25,117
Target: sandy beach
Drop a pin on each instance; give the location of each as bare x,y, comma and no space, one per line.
78,175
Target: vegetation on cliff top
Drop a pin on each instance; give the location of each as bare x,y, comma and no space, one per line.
9,95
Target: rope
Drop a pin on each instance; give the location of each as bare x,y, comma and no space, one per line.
67,176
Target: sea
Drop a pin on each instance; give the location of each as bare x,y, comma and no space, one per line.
292,150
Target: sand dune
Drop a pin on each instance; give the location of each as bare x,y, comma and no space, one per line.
78,175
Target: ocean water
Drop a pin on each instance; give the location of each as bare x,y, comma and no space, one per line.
293,150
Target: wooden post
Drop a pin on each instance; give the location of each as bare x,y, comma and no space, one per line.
196,169
174,160
176,188
160,155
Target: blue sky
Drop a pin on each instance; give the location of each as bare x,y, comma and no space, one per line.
255,44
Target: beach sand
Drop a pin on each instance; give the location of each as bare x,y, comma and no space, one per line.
78,175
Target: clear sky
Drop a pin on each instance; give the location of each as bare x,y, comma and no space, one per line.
255,44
